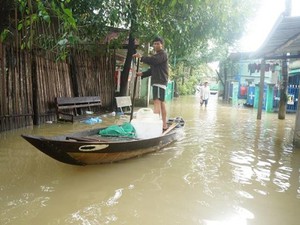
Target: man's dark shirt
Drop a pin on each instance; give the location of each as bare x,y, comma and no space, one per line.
159,68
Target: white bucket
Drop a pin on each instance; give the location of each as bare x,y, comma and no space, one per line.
147,128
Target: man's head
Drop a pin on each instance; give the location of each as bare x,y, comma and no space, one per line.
158,43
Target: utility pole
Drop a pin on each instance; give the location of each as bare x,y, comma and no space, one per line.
285,74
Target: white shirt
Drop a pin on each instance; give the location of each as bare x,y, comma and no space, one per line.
204,92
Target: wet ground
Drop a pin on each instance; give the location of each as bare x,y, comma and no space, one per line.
228,169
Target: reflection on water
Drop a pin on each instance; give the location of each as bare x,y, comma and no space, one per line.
228,168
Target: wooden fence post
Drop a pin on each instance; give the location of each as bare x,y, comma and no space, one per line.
35,91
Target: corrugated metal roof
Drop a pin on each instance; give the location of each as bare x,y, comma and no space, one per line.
283,38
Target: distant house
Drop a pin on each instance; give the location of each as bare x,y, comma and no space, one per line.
242,72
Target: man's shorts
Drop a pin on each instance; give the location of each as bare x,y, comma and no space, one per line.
158,93
204,101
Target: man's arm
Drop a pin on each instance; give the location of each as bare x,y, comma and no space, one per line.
155,59
146,73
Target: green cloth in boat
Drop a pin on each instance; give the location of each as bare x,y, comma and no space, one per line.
124,130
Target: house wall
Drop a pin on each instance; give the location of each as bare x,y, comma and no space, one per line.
246,75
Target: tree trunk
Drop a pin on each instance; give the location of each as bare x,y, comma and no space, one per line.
125,72
261,89
130,51
296,139
283,90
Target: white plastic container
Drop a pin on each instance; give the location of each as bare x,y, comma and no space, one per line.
147,124
145,113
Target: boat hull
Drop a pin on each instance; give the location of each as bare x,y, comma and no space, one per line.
67,150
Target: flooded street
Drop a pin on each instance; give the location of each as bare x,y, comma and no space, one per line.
228,169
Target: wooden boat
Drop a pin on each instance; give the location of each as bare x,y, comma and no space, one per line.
88,147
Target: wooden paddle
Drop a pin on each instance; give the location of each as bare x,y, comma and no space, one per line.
169,129
134,88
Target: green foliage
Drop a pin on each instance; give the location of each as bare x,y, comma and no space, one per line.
195,31
188,75
34,15
4,35
187,88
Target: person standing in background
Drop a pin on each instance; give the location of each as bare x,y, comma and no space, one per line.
204,94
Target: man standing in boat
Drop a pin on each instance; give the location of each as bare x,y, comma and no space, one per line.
159,72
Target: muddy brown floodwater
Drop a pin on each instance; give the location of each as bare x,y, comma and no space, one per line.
228,169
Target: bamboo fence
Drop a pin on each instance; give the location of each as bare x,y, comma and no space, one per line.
30,82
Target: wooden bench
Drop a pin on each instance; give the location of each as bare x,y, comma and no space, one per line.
123,103
67,108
